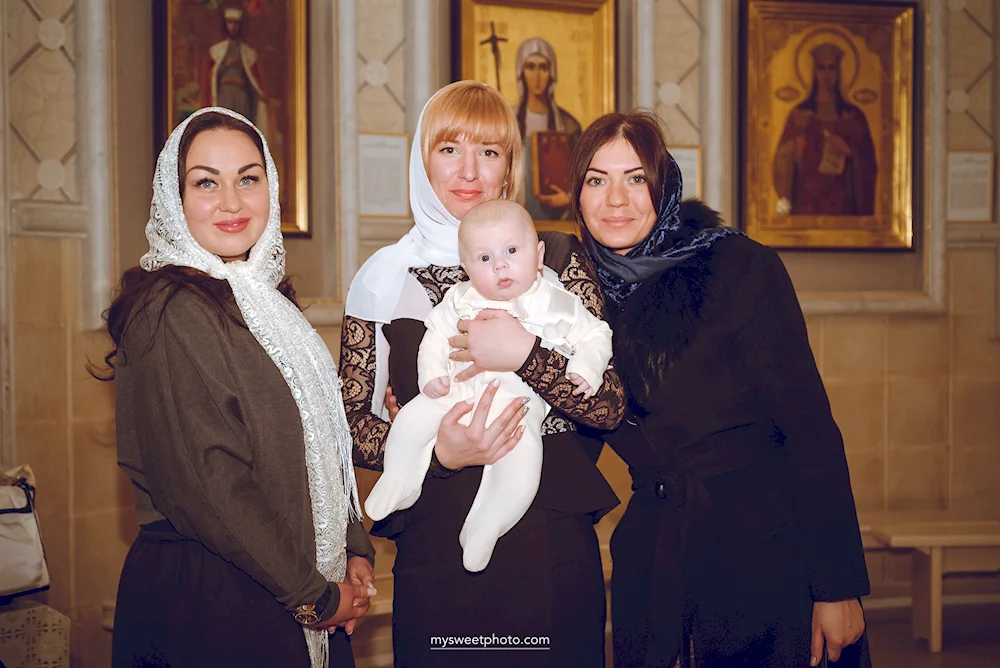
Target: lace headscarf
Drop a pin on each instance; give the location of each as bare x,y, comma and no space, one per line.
291,342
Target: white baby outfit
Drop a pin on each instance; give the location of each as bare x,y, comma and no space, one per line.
508,487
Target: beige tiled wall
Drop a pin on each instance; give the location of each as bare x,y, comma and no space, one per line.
65,430
381,103
678,56
380,39
970,86
63,418
42,93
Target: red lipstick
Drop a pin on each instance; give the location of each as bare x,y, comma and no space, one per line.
232,226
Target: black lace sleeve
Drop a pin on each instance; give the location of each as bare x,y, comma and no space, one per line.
357,370
545,370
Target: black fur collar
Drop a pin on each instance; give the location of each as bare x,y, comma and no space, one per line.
696,215
658,320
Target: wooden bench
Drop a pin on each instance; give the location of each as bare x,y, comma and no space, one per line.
942,542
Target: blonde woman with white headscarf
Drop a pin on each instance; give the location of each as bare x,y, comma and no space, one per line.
544,578
537,71
231,427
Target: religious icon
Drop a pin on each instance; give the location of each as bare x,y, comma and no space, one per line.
828,124
230,77
560,78
248,56
825,163
548,130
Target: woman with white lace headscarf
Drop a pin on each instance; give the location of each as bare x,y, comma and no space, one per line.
231,427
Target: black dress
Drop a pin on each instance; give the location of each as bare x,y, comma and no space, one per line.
743,514
544,578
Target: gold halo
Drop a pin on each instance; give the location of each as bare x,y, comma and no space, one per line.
849,63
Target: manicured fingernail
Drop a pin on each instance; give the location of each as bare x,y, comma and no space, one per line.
524,400
813,661
496,383
372,591
524,410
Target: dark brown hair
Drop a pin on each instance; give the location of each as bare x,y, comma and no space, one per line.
642,131
138,288
641,359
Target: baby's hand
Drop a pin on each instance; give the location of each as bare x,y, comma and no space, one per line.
582,386
437,388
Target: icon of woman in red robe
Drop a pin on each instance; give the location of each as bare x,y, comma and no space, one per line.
825,163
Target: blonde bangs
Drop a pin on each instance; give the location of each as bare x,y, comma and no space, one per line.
476,113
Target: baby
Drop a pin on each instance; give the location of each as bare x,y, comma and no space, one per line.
501,253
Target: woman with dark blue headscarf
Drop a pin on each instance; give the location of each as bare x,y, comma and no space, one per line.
740,545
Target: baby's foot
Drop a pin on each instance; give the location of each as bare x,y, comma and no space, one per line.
389,495
477,543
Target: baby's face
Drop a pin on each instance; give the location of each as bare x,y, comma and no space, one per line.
502,258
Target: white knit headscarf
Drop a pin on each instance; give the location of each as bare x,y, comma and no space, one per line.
291,342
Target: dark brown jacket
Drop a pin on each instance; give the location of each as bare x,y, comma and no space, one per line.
211,437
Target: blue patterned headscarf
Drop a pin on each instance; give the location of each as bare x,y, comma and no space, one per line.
669,243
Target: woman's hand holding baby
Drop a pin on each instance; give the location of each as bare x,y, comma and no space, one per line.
459,446
494,341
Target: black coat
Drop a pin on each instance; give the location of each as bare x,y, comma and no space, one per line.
743,514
